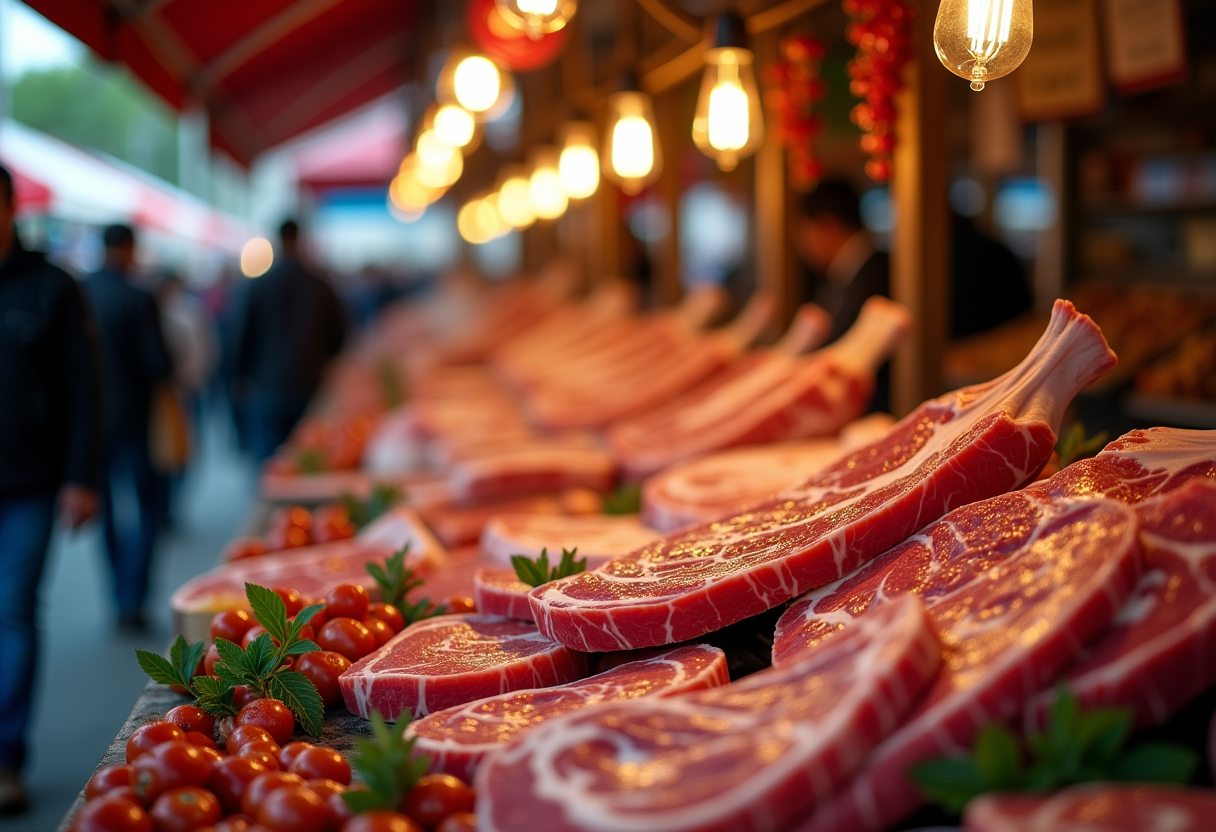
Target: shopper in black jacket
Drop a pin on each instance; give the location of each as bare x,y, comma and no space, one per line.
135,363
291,325
50,447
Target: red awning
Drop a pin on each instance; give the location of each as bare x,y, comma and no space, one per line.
266,71
30,196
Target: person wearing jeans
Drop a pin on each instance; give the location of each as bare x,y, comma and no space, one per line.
50,451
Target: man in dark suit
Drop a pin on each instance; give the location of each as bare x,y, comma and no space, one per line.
291,325
831,240
135,363
50,459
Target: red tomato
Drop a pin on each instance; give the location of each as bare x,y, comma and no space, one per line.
210,658
112,815
212,754
458,822
242,696
296,809
247,733
348,637
255,631
307,631
435,796
279,539
332,522
291,599
380,821
172,765
289,752
338,809
380,630
387,613
322,763
460,603
229,779
324,788
147,737
245,547
256,791
323,667
231,625
289,517
256,748
201,740
190,718
319,617
106,780
272,715
235,823
185,810
346,601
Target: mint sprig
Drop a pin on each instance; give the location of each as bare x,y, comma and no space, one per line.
626,499
388,766
383,497
396,581
176,670
1075,747
537,572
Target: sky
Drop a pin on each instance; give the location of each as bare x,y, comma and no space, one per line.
28,41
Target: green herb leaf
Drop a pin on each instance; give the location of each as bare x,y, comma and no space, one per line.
421,610
537,572
269,610
383,497
997,757
261,657
232,662
300,696
161,670
215,696
1074,445
310,461
388,766
626,499
301,646
948,781
394,579
186,657
1157,763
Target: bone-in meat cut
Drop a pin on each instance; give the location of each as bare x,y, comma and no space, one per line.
598,537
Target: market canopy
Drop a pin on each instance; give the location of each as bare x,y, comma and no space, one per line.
265,71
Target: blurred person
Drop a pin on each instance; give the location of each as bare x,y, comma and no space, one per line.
135,363
50,459
291,325
988,282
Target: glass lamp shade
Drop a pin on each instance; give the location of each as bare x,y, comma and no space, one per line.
515,197
549,198
453,125
579,167
983,39
438,165
478,221
475,83
632,158
537,17
729,122
407,193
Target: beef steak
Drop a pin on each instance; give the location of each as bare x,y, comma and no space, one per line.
1096,807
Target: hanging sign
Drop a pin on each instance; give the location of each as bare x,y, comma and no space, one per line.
1062,75
1145,43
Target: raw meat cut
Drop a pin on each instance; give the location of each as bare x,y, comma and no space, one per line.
1160,650
333,485
720,483
1096,807
456,525
599,537
499,591
530,470
453,659
769,396
454,579
1013,586
458,739
747,757
961,447
312,570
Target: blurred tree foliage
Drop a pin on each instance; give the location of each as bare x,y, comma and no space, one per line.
98,106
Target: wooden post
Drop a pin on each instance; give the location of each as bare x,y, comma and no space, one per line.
673,139
1050,265
920,245
769,231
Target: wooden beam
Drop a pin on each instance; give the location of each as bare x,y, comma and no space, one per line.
779,15
676,71
675,20
920,247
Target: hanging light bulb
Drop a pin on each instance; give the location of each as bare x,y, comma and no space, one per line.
728,124
438,165
632,158
454,125
475,83
537,17
406,193
549,198
469,223
515,197
579,167
983,39
489,218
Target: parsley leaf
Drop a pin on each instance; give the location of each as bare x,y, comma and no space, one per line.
178,669
537,572
383,497
627,499
388,765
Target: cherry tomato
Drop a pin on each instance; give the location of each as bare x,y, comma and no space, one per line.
435,796
387,613
380,821
458,822
212,754
231,625
321,763
460,603
348,637
242,696
245,547
380,630
289,752
266,753
338,808
190,718
106,780
125,793
247,733
282,538
171,765
147,737
255,631
307,631
227,725
322,668
113,814
297,809
292,517
324,788
210,658
332,522
235,823
291,599
201,740
319,617
229,779
264,784
185,809
272,715
346,601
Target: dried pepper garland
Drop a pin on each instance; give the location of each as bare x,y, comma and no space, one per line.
794,86
882,32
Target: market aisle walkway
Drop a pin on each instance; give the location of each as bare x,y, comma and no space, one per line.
89,678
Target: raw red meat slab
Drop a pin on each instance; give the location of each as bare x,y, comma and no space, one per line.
453,659
498,591
531,470
458,739
1013,586
1096,807
598,537
456,524
1160,650
747,757
962,447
